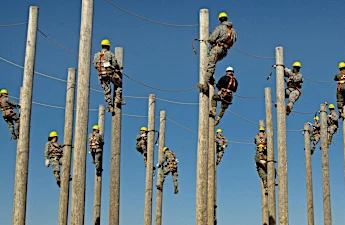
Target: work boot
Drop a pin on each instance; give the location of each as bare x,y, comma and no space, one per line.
159,186
202,88
14,137
213,112
217,162
216,121
275,105
175,190
58,183
288,110
276,183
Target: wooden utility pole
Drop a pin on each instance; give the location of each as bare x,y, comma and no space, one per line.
325,167
309,179
114,201
264,206
211,166
271,173
98,179
159,193
23,143
150,158
82,114
281,125
66,159
201,177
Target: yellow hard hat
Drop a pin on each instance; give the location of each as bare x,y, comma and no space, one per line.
219,130
261,145
222,14
316,118
331,106
262,129
105,42
143,128
53,134
297,64
95,127
341,65
3,91
164,149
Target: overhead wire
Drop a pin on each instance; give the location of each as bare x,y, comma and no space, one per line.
13,24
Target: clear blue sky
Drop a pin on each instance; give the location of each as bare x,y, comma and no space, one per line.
310,31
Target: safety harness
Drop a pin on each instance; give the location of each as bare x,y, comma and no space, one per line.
298,85
341,79
229,40
172,163
93,142
220,140
108,68
229,89
3,108
55,151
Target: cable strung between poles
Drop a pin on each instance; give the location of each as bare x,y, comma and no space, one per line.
13,25
252,55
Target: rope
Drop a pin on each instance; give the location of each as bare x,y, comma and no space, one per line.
242,96
12,25
158,89
242,117
153,21
256,56
57,44
181,103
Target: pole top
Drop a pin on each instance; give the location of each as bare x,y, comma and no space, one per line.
323,107
119,48
204,10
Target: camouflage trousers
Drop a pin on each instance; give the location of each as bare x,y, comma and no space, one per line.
55,162
216,54
314,139
263,175
220,153
331,130
173,172
292,94
106,85
10,119
97,158
340,100
141,147
225,102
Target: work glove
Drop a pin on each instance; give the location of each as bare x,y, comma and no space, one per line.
262,161
310,123
47,163
176,160
18,106
143,135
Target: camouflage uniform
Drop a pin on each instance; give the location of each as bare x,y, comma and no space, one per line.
9,115
261,165
226,86
96,148
169,166
332,125
109,71
221,144
141,145
53,152
293,90
221,40
260,138
340,77
314,135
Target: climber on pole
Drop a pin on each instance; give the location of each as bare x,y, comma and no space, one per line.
141,145
226,85
340,78
169,165
261,138
96,148
314,133
10,117
332,123
222,39
221,144
109,71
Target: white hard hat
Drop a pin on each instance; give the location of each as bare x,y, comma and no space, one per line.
229,69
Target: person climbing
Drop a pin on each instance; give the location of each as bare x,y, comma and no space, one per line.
314,133
141,145
168,164
226,86
53,154
332,123
8,113
222,39
261,163
261,138
221,144
340,78
294,85
109,71
96,148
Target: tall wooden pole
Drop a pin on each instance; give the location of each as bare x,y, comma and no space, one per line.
264,206
309,179
211,167
201,177
159,193
66,159
344,145
98,179
281,125
270,158
150,158
325,167
114,201
23,144
82,114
